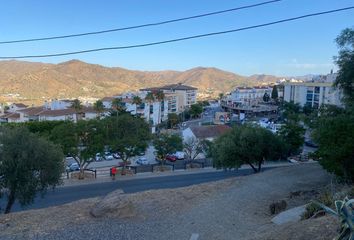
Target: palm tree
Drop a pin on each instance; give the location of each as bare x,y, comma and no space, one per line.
160,96
117,105
76,104
99,108
137,100
150,99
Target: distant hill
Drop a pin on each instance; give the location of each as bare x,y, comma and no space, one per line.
39,81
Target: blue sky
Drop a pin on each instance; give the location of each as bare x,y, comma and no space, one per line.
288,49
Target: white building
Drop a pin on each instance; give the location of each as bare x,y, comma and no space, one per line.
247,96
178,96
314,93
16,106
56,110
154,112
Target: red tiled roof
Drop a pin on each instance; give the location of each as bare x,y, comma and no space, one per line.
127,100
32,111
67,111
106,99
210,131
11,115
58,112
20,105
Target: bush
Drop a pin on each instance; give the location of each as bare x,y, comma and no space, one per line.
325,198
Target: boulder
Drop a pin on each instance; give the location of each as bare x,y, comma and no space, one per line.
290,215
114,204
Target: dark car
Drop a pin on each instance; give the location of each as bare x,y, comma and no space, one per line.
310,143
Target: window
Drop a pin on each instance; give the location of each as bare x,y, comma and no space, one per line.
151,109
309,96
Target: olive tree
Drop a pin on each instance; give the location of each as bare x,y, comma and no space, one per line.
167,144
127,135
246,144
81,141
28,164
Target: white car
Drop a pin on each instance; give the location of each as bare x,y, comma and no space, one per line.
73,167
98,157
179,155
108,156
142,161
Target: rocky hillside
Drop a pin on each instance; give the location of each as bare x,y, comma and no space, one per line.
38,81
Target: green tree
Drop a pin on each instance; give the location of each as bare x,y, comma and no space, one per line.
42,128
137,100
195,110
246,144
335,137
290,111
334,129
192,147
127,135
274,94
117,106
81,141
28,165
266,97
149,98
77,105
167,144
345,63
99,108
292,134
173,119
221,95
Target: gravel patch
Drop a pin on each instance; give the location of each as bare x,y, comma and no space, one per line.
236,208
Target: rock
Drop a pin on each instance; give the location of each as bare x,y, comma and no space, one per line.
291,215
114,204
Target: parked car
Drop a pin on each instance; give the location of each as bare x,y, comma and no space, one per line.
72,167
116,156
310,143
171,158
108,156
99,157
179,155
142,161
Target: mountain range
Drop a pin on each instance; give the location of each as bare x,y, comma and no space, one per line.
35,82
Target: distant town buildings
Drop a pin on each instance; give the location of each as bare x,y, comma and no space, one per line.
249,100
176,98
313,93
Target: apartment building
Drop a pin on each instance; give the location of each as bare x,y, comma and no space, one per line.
178,96
247,96
314,93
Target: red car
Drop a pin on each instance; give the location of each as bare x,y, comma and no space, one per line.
171,158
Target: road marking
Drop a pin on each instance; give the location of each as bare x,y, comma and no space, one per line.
194,236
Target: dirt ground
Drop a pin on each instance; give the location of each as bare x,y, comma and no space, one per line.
242,200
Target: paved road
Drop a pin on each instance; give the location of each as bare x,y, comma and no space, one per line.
64,195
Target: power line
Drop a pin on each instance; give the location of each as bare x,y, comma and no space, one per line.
180,39
139,26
